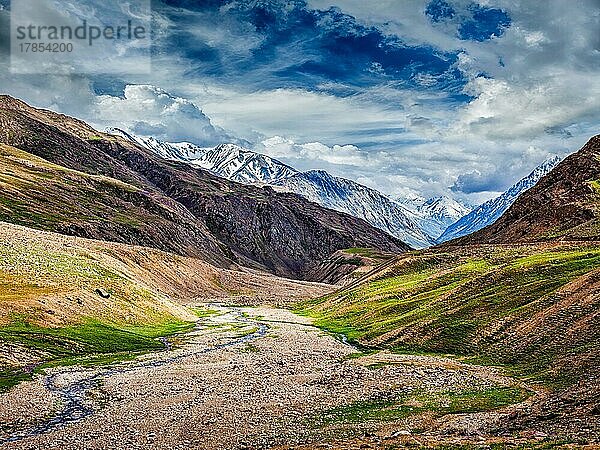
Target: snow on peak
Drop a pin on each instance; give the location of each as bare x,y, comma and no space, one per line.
435,214
242,165
359,201
181,151
226,160
490,211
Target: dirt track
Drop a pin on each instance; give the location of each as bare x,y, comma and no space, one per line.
247,378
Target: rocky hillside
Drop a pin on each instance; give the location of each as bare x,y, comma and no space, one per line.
359,201
252,226
66,297
39,194
562,205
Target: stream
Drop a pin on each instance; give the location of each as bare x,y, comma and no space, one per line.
75,399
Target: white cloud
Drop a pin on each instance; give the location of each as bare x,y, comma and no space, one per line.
503,111
147,110
298,114
315,152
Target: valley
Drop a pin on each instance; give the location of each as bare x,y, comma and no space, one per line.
150,303
264,378
300,225
218,358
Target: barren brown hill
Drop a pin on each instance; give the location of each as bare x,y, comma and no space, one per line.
36,193
256,227
562,205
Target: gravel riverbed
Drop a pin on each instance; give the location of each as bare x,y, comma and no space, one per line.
246,378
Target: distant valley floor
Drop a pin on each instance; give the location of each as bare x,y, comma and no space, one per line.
250,378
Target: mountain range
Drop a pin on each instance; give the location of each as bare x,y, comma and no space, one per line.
357,200
487,213
226,160
527,300
418,221
110,188
436,214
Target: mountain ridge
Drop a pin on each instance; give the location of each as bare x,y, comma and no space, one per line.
353,198
564,204
490,211
253,226
235,163
436,214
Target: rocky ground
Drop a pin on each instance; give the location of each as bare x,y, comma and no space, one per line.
254,378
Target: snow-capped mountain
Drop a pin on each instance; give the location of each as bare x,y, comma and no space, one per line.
417,221
244,166
436,214
487,213
181,151
359,201
226,160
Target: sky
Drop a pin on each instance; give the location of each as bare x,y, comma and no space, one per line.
414,98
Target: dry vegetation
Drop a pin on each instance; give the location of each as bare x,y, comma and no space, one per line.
64,297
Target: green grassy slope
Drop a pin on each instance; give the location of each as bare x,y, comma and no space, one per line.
533,308
90,343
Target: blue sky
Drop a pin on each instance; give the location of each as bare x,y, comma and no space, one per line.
437,97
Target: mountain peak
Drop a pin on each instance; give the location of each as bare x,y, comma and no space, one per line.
319,173
435,214
562,204
227,160
487,213
229,147
360,201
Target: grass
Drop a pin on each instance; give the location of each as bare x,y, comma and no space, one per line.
244,331
442,403
12,377
470,304
32,271
203,312
91,343
357,355
250,348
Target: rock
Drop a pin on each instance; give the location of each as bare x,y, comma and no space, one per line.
102,294
401,433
